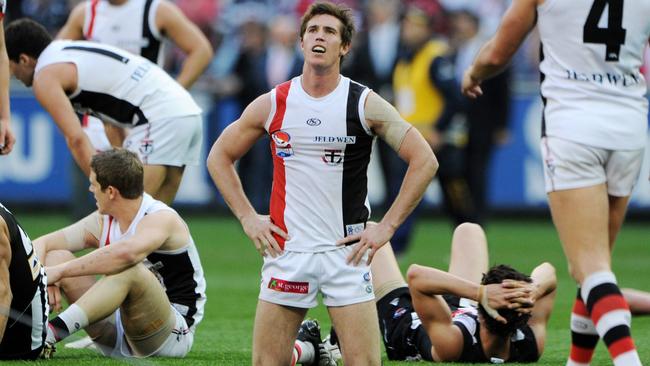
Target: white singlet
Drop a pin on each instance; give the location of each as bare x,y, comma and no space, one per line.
321,149
592,88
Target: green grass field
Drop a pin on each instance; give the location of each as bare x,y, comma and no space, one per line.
232,272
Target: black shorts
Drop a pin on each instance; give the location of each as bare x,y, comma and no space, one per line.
397,318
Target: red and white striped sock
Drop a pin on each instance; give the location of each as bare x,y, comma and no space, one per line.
611,315
584,336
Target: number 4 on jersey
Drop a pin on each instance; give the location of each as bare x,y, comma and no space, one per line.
614,35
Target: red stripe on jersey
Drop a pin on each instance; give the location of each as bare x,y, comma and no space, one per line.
93,13
607,304
579,308
108,231
84,120
581,355
278,193
621,346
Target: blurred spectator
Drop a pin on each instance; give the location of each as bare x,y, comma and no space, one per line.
52,14
425,87
486,118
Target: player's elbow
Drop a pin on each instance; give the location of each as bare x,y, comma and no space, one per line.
126,257
414,274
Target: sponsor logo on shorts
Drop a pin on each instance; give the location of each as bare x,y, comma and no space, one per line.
313,122
279,285
398,313
146,146
332,157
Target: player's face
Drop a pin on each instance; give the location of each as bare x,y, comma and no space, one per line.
23,70
321,44
101,197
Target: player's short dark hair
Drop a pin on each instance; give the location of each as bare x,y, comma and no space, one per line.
121,169
515,319
340,12
26,36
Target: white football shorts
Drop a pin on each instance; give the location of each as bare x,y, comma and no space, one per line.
178,344
174,142
571,165
295,279
94,129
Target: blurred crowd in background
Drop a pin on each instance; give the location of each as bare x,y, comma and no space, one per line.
256,45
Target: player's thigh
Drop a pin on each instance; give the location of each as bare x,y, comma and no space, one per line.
386,275
154,178
146,308
276,327
469,252
358,330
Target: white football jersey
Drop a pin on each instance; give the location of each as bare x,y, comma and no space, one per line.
321,149
117,86
179,271
106,23
592,88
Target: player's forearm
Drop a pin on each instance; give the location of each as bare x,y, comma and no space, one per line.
5,111
5,297
194,65
105,261
432,281
82,152
488,63
223,173
419,174
544,279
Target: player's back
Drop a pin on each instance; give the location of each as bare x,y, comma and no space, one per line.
118,86
592,51
26,327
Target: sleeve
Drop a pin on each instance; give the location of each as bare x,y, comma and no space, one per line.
443,77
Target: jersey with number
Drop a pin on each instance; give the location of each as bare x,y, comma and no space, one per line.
105,23
321,149
592,87
179,271
117,86
26,327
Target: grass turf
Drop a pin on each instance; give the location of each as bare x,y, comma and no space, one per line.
232,272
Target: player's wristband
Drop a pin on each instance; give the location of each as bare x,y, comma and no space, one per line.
483,300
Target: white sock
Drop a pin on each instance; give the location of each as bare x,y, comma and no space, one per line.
74,318
307,353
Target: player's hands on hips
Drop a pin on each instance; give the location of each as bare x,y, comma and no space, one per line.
7,138
260,229
471,87
372,237
54,297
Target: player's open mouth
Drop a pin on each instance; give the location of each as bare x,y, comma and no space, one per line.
318,49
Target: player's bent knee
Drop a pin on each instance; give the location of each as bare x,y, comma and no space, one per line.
414,272
467,228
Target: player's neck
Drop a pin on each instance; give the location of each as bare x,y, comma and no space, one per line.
126,212
319,83
494,345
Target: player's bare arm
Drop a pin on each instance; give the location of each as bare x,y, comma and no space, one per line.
50,87
5,289
81,235
545,283
7,138
385,121
495,55
73,27
189,38
231,145
153,232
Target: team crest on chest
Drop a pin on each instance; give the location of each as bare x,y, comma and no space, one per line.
146,146
332,157
282,141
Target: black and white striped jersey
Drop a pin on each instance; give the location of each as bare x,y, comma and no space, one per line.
26,328
117,86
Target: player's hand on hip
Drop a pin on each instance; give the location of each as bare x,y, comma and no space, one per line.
260,230
470,86
54,297
7,138
373,237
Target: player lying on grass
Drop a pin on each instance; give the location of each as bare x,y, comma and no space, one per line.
152,294
445,316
